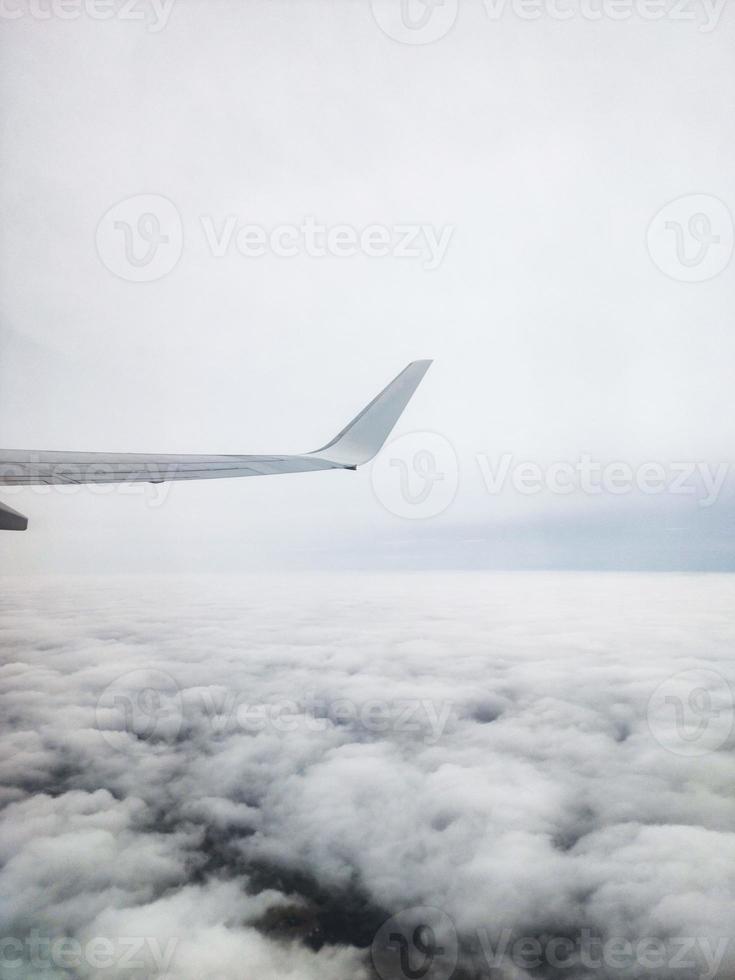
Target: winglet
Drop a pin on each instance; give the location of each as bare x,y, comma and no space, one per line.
11,520
363,438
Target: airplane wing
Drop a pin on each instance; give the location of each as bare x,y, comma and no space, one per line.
356,444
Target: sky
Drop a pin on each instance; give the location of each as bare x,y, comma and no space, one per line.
524,165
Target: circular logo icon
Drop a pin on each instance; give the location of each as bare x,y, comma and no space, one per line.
141,239
416,476
691,713
692,239
417,944
145,704
415,21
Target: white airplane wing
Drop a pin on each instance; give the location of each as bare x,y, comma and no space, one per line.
356,444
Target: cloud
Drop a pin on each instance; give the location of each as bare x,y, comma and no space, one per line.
240,772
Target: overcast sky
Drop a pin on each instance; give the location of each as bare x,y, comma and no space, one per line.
536,153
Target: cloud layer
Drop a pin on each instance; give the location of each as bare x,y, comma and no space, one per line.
252,774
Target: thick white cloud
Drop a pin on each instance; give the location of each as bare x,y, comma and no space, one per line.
185,756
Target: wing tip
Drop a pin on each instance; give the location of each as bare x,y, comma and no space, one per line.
364,436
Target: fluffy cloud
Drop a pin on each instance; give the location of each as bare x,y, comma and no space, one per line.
251,775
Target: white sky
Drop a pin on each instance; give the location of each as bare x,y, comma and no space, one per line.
548,146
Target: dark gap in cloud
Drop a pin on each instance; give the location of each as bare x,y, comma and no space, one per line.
338,916
581,823
623,731
485,713
322,916
54,783
343,915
